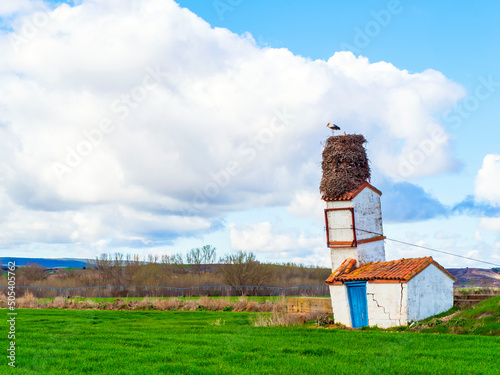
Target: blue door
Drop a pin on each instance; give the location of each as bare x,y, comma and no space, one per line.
356,292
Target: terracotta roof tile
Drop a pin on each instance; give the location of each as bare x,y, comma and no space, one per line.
344,268
353,193
401,270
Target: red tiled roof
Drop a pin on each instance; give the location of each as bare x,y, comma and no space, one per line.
353,193
344,268
401,270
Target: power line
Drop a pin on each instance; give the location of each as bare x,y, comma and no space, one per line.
443,252
426,248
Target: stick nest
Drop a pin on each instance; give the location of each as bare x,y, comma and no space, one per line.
345,165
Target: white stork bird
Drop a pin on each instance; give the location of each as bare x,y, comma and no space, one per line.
333,127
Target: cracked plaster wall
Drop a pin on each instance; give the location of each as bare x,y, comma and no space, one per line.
386,304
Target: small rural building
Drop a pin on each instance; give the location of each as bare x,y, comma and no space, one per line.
366,289
391,293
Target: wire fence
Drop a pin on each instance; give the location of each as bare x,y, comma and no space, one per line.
165,291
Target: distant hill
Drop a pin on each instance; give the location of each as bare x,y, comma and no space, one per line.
475,277
46,262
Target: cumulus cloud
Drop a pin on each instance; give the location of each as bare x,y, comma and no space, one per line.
9,7
263,237
488,180
129,120
307,203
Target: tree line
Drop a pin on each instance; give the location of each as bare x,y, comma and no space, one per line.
199,267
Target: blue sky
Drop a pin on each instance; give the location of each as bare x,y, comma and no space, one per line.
208,122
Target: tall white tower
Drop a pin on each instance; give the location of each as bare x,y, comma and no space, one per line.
354,226
353,215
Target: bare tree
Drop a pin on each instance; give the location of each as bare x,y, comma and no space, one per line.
195,259
103,265
173,263
111,268
153,258
209,254
31,272
133,264
243,269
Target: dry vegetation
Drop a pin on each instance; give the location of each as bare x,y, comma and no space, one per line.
242,303
283,318
167,271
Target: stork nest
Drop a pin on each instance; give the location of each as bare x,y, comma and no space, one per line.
345,165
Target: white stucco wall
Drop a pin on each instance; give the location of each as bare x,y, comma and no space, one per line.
367,214
364,253
338,255
339,204
340,305
429,293
394,304
371,252
386,304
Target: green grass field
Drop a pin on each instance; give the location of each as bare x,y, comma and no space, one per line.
159,342
127,299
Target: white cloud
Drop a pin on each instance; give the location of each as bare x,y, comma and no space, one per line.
446,235
490,223
297,246
260,237
202,122
9,7
307,204
488,180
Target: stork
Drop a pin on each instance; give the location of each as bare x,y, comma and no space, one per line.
333,127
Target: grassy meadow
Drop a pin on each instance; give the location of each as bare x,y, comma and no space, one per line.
258,299
51,341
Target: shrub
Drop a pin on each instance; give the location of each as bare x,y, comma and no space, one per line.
322,320
3,300
282,319
28,301
435,322
252,306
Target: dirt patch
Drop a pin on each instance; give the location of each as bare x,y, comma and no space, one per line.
451,316
484,315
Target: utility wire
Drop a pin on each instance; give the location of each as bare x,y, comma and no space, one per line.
424,247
